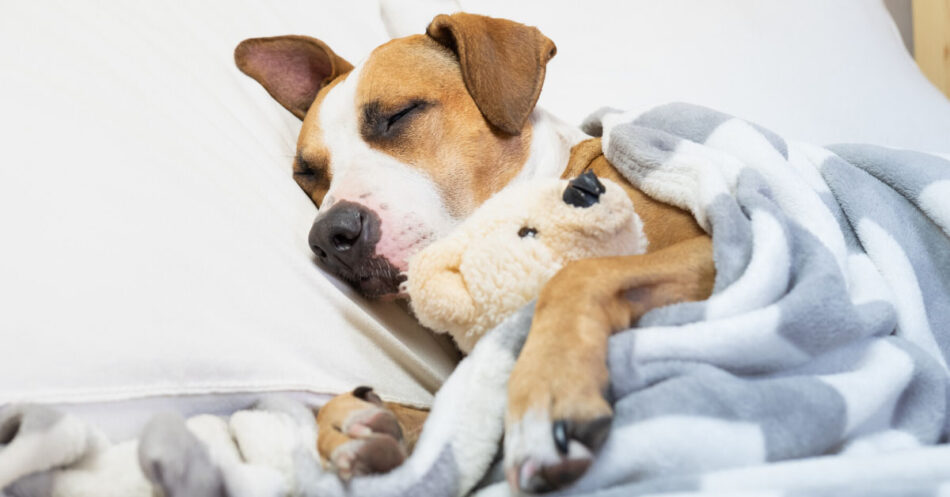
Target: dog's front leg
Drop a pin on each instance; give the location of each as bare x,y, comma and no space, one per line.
557,413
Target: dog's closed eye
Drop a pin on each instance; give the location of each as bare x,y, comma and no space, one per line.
379,124
311,176
393,119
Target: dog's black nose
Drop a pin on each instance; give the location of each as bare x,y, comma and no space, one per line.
344,235
584,190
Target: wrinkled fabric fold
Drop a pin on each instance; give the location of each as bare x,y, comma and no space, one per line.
817,366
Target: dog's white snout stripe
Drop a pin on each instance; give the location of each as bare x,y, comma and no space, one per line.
408,203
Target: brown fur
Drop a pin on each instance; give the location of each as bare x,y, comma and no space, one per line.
312,162
471,84
448,139
588,300
332,417
471,141
663,224
503,63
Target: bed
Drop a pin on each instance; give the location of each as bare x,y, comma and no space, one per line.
154,255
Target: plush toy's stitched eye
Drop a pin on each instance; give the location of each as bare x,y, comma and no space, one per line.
526,232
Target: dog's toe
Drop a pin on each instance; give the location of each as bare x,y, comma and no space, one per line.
374,420
359,435
370,455
534,478
541,456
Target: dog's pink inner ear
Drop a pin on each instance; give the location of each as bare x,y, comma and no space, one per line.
291,68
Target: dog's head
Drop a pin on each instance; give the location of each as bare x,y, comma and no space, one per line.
400,148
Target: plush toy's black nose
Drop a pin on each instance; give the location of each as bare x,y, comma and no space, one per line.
584,190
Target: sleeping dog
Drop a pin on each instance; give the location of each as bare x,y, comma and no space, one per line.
398,150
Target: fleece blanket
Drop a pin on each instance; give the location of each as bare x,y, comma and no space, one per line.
817,367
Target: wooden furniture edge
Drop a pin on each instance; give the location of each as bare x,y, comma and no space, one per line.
932,41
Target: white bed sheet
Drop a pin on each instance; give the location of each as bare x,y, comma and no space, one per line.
153,247
153,241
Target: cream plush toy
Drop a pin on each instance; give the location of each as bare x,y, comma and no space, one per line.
500,257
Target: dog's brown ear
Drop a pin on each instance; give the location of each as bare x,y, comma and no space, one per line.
503,64
291,68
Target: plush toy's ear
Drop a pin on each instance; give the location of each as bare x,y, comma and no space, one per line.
439,296
503,64
291,68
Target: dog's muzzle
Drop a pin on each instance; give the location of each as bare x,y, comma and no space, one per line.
344,239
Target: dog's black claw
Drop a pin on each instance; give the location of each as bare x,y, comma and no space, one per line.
584,190
560,436
591,433
367,394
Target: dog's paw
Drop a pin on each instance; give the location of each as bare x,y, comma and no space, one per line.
370,455
557,414
555,424
358,435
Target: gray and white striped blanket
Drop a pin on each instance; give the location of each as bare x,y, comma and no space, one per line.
817,367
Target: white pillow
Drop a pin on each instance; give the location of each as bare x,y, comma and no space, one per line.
153,244
152,241
813,70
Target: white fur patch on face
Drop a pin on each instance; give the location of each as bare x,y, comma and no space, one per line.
408,203
551,142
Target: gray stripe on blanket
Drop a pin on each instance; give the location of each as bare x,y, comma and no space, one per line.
790,358
175,461
439,479
696,123
850,239
35,485
921,409
592,125
865,198
644,150
817,312
817,282
897,489
17,421
906,171
799,416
